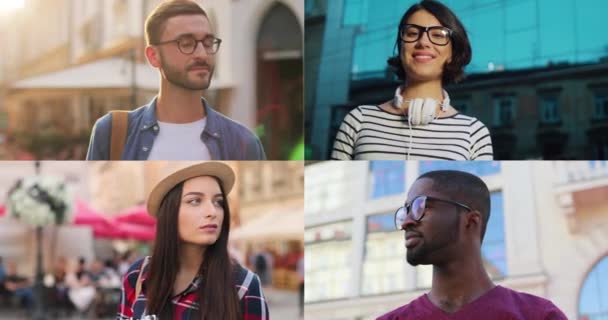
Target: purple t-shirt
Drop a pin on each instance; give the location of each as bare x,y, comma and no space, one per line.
500,303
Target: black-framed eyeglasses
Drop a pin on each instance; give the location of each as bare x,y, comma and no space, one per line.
187,45
417,207
437,35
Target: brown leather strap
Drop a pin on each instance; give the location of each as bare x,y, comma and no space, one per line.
120,122
139,280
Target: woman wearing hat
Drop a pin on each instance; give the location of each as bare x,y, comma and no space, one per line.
190,274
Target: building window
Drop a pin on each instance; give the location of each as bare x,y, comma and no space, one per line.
600,148
601,107
355,12
309,6
479,168
315,7
493,248
383,265
549,110
504,111
593,303
328,186
328,261
120,12
388,178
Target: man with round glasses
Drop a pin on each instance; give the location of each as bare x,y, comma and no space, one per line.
444,221
178,124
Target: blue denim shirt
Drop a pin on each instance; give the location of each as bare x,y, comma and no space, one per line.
225,138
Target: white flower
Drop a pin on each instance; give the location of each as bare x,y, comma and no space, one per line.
31,202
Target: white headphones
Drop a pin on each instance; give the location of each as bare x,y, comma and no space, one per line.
421,111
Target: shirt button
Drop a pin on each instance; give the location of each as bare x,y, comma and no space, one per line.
215,134
155,128
145,149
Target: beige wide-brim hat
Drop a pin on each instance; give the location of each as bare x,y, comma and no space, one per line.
215,169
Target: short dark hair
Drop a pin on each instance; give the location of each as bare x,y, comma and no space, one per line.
155,22
453,72
465,187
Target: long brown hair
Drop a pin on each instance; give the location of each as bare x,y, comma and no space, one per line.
217,293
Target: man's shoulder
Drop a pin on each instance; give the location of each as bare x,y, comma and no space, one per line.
521,297
531,304
400,312
234,127
105,121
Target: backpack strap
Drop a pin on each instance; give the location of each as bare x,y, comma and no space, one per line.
139,279
120,122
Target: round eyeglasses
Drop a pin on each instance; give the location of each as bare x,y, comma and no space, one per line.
187,45
437,35
417,207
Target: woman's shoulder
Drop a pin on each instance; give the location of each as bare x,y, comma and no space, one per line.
463,119
241,272
381,111
135,268
245,277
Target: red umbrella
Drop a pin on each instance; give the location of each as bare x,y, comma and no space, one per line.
103,227
137,232
133,223
108,232
136,215
85,215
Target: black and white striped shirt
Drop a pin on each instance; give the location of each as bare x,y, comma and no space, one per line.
370,133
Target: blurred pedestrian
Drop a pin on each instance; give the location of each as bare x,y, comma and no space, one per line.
19,286
2,270
300,270
81,288
262,263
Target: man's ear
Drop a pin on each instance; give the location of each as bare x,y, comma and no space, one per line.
153,56
473,219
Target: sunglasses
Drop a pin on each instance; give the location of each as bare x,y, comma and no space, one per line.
417,207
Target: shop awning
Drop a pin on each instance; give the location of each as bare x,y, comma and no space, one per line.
109,73
112,73
280,224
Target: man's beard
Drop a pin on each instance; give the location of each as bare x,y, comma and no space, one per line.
431,250
180,78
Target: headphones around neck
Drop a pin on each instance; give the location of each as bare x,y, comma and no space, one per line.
421,111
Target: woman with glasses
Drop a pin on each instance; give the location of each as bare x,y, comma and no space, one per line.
419,123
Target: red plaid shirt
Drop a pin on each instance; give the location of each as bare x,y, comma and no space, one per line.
185,304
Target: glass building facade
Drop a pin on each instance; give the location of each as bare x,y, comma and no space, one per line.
504,34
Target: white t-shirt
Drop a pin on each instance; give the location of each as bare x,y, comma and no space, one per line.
180,141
